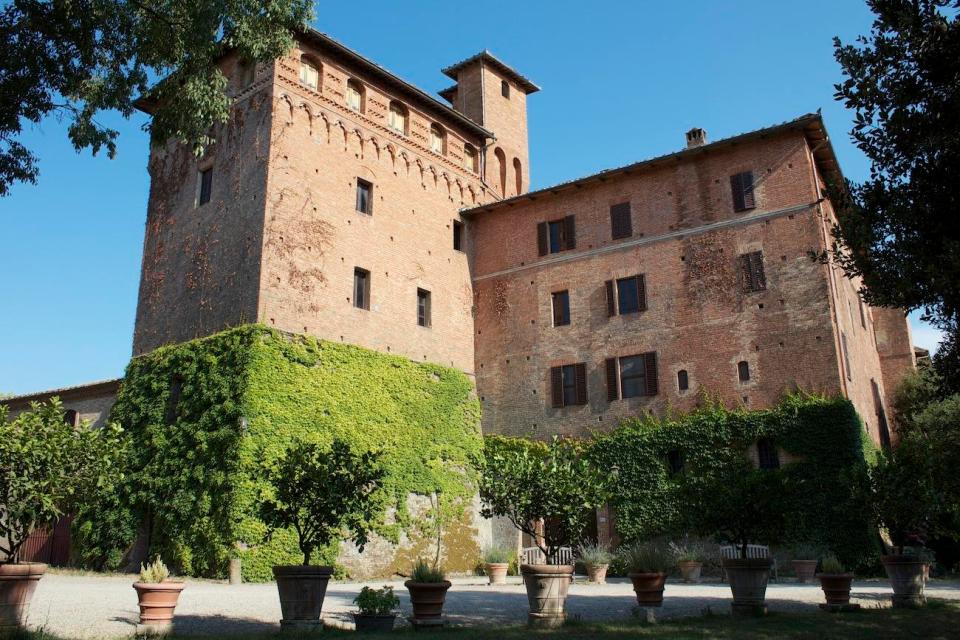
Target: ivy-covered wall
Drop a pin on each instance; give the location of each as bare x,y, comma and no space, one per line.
195,472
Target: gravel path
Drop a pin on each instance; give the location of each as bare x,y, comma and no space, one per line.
99,606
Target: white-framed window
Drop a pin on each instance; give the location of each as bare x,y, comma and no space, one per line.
309,73
470,158
438,139
398,117
355,95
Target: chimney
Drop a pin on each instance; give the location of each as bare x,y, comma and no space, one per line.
696,137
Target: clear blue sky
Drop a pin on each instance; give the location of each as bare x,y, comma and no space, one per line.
622,80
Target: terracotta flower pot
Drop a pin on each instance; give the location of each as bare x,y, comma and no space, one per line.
547,586
497,572
748,582
374,624
804,569
597,573
836,587
649,588
906,578
427,599
301,589
17,584
690,570
157,601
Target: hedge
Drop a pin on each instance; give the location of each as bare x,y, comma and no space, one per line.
195,477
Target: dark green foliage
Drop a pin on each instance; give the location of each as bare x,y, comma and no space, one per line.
823,480
49,468
528,482
77,59
246,396
898,230
376,602
325,495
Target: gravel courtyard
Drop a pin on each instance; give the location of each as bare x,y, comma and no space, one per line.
99,606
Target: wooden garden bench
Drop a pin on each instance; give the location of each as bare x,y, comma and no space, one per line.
754,551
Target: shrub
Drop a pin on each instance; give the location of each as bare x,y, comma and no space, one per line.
831,565
154,572
646,557
425,572
497,555
595,554
804,552
376,602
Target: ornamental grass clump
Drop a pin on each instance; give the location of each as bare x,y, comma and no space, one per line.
831,565
426,572
497,555
154,572
594,554
646,557
688,551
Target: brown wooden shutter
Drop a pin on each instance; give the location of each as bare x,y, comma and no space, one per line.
757,276
650,367
543,241
746,272
557,310
620,223
746,182
641,293
611,299
612,379
569,233
556,385
580,376
737,192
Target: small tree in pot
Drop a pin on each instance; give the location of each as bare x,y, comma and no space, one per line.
835,582
428,587
326,496
548,492
157,596
647,564
47,467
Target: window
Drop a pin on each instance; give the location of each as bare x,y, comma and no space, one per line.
674,461
561,308
845,356
751,266
71,417
173,400
364,197
457,235
626,295
309,73
620,224
398,117
743,371
470,158
742,187
205,186
423,307
518,175
767,455
438,140
556,235
505,88
361,288
355,95
638,375
683,380
863,315
569,384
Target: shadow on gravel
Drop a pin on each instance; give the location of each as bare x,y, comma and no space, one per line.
215,626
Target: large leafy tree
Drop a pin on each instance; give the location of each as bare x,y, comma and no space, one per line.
78,58
899,230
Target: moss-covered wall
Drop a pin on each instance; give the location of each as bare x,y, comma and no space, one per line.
247,394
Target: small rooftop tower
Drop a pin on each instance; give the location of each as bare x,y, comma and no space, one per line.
696,137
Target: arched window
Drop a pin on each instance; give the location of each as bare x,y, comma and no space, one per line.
743,371
355,96
683,380
470,158
71,417
767,455
398,117
518,175
502,166
438,139
309,73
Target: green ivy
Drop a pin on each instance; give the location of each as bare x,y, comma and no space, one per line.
246,395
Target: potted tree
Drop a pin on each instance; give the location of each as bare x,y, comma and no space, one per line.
547,492
835,582
689,556
647,564
157,596
428,591
743,506
496,563
326,496
803,557
596,559
47,467
376,609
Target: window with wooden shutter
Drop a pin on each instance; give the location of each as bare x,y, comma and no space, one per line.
205,188
556,386
611,299
555,236
364,196
423,307
361,288
741,185
569,232
751,266
543,246
569,384
638,375
580,377
620,223
631,295
612,383
650,364
561,308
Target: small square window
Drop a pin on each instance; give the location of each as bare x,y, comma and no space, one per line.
423,307
457,235
364,197
505,88
205,186
561,308
630,295
361,288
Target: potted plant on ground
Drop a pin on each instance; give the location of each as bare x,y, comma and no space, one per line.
647,564
428,587
157,596
803,557
496,563
689,556
47,467
596,558
548,492
376,609
835,581
744,506
325,496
